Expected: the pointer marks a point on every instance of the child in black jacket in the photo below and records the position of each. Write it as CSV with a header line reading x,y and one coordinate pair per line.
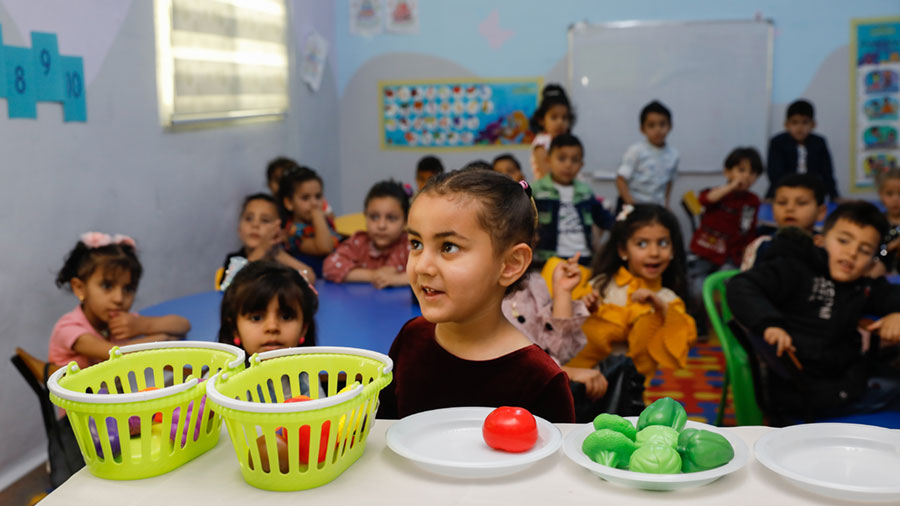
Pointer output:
x,y
808,300
798,150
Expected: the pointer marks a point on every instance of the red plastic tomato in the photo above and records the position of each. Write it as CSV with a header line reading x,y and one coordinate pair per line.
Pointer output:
x,y
510,429
304,435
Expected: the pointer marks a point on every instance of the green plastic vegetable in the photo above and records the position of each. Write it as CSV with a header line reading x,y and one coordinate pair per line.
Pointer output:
x,y
655,459
664,411
616,423
658,434
702,449
608,447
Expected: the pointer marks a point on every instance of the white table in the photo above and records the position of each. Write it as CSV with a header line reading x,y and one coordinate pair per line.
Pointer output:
x,y
382,477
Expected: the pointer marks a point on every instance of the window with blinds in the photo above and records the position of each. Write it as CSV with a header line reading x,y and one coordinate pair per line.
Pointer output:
x,y
221,59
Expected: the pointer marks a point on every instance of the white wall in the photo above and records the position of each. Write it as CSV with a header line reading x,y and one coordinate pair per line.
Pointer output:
x,y
177,194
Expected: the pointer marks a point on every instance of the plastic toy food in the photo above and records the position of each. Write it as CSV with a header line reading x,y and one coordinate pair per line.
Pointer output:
x,y
702,449
662,435
656,459
608,447
664,411
510,429
616,423
661,446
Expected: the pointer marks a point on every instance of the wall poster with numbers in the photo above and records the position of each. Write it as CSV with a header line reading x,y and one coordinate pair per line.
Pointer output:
x,y
875,99
457,113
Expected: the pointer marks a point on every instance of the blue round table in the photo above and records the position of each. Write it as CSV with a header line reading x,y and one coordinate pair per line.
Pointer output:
x,y
352,314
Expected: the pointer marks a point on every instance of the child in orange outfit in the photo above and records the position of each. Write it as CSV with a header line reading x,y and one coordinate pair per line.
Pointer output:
x,y
639,277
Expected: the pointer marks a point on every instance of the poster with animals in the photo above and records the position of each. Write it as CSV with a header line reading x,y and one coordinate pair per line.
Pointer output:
x,y
461,113
875,100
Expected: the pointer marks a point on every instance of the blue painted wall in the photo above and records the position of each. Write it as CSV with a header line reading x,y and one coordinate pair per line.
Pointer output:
x,y
807,31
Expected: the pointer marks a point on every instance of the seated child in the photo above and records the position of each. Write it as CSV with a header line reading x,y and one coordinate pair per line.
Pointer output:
x,y
379,254
567,209
259,229
728,222
103,272
798,150
649,166
554,116
308,234
799,202
428,167
470,231
269,306
507,164
275,171
889,193
640,278
808,299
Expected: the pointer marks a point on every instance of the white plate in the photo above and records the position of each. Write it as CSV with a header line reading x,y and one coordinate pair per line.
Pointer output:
x,y
648,481
841,460
448,441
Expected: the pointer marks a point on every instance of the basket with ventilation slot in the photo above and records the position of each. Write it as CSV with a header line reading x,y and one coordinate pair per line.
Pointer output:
x,y
143,412
282,444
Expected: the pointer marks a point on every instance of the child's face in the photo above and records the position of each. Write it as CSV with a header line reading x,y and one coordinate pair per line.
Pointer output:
x,y
656,127
890,196
649,251
743,173
799,127
795,206
384,221
565,162
105,294
273,181
306,199
452,266
508,167
259,224
272,329
851,249
423,177
556,120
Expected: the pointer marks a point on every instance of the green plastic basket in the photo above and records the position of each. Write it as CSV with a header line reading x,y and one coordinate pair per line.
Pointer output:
x,y
295,444
134,415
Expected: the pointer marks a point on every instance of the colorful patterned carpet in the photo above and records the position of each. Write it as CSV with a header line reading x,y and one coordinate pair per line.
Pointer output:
x,y
698,387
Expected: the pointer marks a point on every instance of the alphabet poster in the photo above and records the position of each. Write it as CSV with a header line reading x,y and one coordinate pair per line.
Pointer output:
x,y
457,113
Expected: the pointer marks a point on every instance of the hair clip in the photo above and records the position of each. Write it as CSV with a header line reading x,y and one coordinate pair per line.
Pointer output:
x,y
303,274
99,239
623,214
408,189
525,186
235,264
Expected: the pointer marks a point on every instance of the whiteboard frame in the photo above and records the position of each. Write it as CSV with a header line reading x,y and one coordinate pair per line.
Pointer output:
x,y
770,55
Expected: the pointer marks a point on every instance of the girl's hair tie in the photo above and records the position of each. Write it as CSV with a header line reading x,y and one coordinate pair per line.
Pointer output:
x,y
408,189
99,239
526,187
623,214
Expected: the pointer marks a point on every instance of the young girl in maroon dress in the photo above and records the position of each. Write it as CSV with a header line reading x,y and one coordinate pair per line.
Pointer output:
x,y
470,234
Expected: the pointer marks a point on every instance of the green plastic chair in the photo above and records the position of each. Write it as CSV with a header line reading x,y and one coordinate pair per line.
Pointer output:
x,y
738,374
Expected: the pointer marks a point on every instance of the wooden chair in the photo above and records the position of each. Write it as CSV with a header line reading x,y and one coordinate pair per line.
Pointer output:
x,y
62,447
691,205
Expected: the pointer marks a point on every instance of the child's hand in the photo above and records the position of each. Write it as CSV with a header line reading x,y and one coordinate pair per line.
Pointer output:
x,y
778,337
566,275
591,301
595,382
645,296
124,325
888,328
384,276
894,245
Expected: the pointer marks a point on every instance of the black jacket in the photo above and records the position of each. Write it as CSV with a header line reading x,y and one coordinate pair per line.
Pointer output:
x,y
792,288
782,160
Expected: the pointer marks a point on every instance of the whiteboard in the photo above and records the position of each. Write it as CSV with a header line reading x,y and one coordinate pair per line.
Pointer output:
x,y
715,77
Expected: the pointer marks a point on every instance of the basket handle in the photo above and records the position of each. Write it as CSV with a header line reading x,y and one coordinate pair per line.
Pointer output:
x,y
72,368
